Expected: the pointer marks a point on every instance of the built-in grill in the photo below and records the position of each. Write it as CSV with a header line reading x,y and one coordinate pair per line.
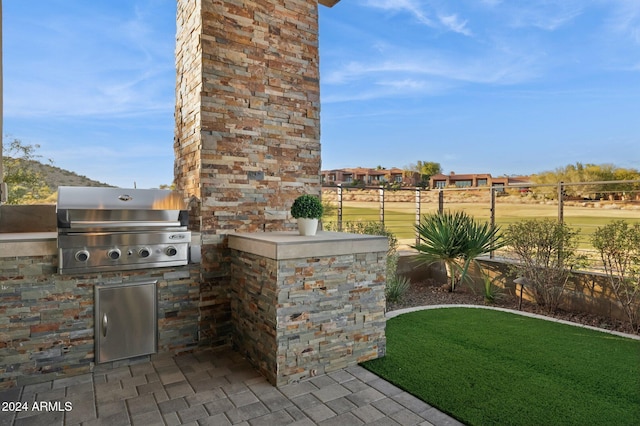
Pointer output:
x,y
111,229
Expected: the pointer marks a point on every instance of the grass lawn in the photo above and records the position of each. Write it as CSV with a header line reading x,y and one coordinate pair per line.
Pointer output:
x,y
488,367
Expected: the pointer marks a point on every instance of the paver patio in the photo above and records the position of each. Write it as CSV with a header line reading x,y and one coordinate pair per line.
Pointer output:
x,y
216,388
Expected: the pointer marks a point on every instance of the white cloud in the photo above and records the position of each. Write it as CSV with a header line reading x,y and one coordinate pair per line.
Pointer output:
x,y
420,12
625,19
90,64
492,68
361,81
408,84
454,24
491,3
411,6
548,15
386,88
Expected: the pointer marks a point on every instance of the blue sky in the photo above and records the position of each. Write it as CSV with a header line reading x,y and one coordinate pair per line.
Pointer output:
x,y
505,87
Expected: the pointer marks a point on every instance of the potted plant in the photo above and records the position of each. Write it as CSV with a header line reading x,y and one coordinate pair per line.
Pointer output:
x,y
308,210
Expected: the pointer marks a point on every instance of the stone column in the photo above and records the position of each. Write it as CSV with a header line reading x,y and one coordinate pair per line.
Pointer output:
x,y
1,103
247,138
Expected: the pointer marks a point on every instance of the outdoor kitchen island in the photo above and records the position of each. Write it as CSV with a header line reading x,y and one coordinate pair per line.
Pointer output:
x,y
47,319
301,306
307,305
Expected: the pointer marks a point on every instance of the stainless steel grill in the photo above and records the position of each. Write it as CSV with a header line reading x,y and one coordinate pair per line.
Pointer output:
x,y
110,229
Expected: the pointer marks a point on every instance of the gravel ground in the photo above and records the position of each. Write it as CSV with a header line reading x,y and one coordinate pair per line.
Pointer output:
x,y
430,293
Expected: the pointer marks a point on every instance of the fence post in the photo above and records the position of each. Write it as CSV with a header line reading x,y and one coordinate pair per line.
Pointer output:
x,y
417,214
493,214
561,202
441,201
339,207
381,204
560,217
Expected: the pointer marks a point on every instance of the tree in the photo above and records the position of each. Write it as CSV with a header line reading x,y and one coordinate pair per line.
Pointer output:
x,y
580,172
25,184
426,170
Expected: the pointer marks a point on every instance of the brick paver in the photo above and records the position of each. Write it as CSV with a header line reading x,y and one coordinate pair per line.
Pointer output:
x,y
217,388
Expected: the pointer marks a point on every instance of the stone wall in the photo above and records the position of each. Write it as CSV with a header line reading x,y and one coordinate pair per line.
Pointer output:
x,y
586,292
47,319
247,138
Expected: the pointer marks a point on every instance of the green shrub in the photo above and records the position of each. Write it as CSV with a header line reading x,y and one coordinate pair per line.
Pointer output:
x,y
396,288
546,254
372,228
619,246
490,291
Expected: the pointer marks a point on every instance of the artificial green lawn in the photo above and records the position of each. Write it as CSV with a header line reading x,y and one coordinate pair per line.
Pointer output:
x,y
488,367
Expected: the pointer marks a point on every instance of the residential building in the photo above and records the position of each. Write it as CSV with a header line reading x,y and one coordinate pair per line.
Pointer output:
x,y
476,180
370,177
374,177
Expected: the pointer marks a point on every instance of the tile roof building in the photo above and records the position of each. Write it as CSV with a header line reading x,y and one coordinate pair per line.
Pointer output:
x,y
370,177
476,180
375,177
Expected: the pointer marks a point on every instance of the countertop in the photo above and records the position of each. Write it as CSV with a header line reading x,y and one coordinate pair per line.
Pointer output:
x,y
14,244
291,245
27,236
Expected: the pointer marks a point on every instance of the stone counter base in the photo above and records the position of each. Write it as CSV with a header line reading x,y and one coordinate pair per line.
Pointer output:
x,y
47,319
297,317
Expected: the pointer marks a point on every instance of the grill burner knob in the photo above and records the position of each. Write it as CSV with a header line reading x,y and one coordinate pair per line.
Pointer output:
x,y
82,256
144,252
171,251
113,254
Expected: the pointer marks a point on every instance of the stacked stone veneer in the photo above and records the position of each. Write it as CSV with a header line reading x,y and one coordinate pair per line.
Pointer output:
x,y
247,138
47,319
303,307
247,109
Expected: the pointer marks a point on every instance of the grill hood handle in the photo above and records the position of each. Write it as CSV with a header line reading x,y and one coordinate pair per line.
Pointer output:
x,y
63,218
183,217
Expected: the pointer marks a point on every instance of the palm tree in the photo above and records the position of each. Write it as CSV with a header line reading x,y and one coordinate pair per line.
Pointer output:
x,y
457,240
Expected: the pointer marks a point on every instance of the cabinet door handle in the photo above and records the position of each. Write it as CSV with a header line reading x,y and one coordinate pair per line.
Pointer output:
x,y
105,322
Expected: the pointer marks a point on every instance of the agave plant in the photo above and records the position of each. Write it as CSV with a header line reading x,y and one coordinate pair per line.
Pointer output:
x,y
457,240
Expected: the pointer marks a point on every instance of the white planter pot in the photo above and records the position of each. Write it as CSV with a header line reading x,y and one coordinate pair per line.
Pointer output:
x,y
307,226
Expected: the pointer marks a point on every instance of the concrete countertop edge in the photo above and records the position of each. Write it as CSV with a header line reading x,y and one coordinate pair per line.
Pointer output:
x,y
15,237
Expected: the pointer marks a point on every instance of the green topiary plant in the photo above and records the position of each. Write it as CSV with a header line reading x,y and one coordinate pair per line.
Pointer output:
x,y
307,207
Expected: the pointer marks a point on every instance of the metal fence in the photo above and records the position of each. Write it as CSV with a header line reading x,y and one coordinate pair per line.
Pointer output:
x,y
584,206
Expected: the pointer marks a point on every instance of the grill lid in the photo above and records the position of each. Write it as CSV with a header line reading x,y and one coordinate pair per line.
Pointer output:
x,y
98,198
107,208
113,229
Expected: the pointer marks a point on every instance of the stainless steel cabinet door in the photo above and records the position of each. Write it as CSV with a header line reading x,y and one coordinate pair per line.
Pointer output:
x,y
125,320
